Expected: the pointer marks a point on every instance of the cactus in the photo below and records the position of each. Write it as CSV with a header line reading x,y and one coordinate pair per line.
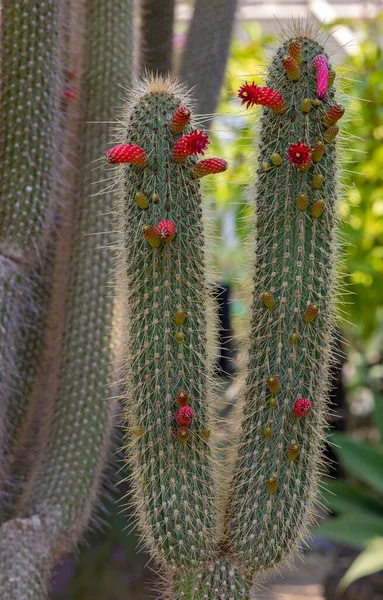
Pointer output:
x,y
220,580
29,123
58,497
211,532
278,461
206,50
163,286
156,38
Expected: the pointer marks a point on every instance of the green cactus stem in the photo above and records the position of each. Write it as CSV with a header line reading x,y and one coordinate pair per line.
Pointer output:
x,y
61,495
156,39
163,287
30,96
279,453
219,580
206,51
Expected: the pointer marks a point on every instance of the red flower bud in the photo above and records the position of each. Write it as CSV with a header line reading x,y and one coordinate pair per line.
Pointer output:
x,y
185,416
127,153
320,65
166,230
192,143
182,397
209,166
180,119
302,407
253,94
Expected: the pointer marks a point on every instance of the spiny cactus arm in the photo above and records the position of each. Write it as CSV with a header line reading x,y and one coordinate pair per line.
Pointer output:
x,y
156,36
31,557
75,456
163,287
279,458
24,413
68,479
206,51
218,580
30,89
30,96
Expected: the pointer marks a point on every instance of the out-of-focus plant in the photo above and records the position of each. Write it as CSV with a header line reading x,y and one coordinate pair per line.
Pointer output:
x,y
357,500
363,212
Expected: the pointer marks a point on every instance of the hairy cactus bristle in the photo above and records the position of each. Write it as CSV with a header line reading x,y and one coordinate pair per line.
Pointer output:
x,y
277,465
163,287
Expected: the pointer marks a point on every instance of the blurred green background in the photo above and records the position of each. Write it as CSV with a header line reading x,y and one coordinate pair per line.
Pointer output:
x,y
108,566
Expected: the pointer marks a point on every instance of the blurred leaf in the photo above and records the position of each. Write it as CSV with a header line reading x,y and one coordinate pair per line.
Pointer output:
x,y
369,561
355,529
362,460
344,497
378,413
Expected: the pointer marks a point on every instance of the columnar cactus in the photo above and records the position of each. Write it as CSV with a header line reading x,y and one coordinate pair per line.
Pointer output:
x,y
206,50
163,286
278,462
59,494
156,39
30,96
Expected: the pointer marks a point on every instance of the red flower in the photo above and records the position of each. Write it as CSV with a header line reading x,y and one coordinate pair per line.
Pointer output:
x,y
209,166
192,143
253,94
127,153
249,94
166,230
302,407
185,416
299,154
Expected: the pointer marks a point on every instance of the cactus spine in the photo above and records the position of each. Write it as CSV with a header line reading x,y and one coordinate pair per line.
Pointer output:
x,y
278,460
164,290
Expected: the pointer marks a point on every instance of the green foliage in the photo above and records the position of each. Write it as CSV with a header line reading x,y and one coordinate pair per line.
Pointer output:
x,y
362,216
358,502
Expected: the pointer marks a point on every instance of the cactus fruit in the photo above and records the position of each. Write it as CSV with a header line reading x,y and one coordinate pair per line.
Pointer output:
x,y
168,366
276,466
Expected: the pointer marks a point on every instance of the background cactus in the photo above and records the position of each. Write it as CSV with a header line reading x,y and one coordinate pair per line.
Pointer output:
x,y
29,131
206,50
59,492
